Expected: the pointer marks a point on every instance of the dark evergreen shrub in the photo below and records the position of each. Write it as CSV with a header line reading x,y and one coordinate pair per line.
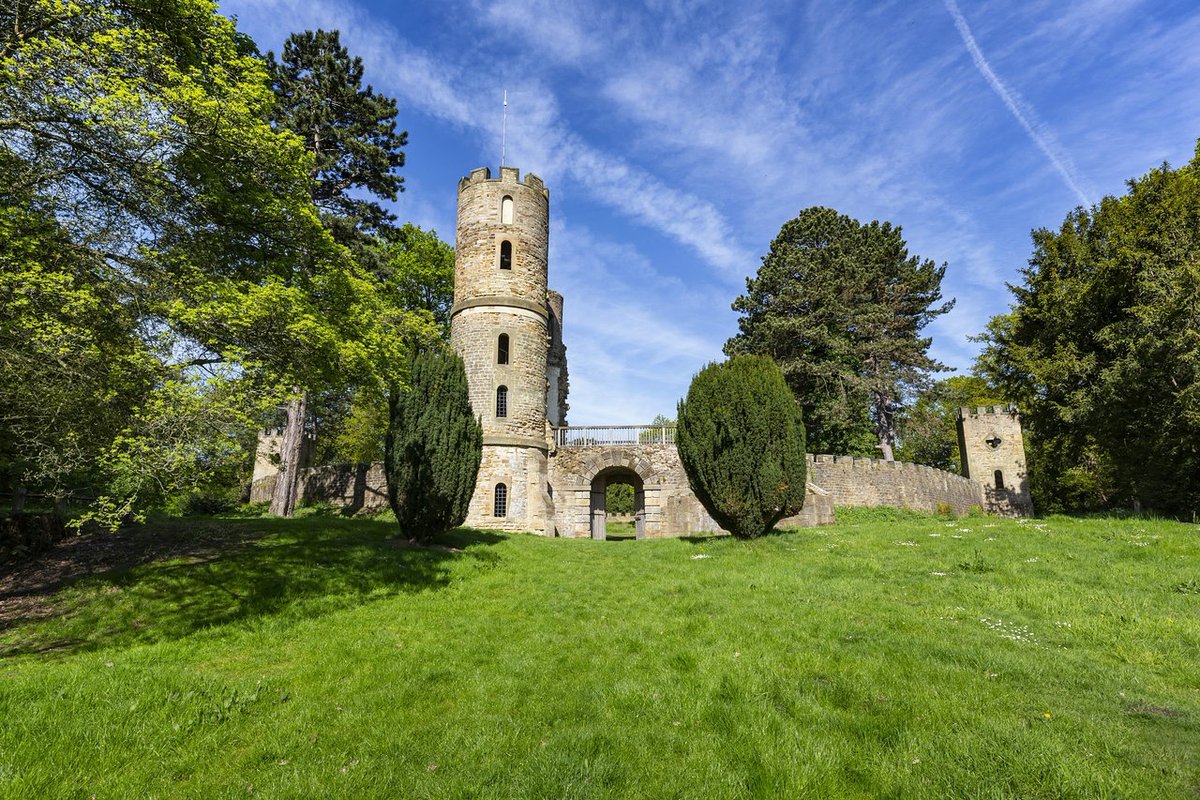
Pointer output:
x,y
433,447
741,440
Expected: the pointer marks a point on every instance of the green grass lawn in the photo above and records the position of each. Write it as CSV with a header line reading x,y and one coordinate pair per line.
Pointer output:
x,y
890,655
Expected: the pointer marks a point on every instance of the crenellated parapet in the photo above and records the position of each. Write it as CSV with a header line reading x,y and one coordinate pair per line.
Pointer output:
x,y
507,175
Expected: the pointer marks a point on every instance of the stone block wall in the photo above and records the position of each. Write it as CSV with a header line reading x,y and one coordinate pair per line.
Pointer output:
x,y
852,481
475,336
480,232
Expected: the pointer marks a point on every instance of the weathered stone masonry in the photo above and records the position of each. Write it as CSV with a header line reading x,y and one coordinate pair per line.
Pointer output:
x,y
507,326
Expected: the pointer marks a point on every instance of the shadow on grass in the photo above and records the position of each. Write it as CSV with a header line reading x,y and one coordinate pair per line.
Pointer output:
x,y
171,579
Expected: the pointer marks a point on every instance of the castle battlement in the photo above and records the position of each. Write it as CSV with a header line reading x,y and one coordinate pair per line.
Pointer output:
x,y
1009,410
507,175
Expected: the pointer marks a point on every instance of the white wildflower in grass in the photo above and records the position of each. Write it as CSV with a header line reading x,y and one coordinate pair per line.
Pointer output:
x,y
700,555
1062,624
935,535
939,574
1031,560
964,530
907,544
1009,630
955,536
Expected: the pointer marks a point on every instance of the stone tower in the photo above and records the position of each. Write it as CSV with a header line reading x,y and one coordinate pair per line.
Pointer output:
x,y
993,454
507,327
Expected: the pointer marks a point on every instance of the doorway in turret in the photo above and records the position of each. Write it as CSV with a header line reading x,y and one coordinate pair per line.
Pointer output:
x,y
618,507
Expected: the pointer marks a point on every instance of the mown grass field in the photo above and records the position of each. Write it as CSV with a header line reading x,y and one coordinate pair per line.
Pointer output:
x,y
891,655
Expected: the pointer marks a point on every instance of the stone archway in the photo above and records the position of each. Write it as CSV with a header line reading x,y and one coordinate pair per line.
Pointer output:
x,y
598,512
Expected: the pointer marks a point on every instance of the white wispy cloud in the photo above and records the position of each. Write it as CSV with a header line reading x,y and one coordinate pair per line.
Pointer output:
x,y
454,94
1020,110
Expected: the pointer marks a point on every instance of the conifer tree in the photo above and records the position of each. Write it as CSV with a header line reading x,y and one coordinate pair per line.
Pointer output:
x,y
351,133
840,306
433,448
741,440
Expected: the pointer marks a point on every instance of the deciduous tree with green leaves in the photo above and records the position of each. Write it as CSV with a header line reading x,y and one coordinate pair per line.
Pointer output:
x,y
928,427
741,440
840,306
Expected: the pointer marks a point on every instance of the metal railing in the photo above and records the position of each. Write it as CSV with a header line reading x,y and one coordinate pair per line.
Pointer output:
x,y
587,435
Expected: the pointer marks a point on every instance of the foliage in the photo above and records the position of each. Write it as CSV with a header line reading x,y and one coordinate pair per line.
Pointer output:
x,y
618,498
661,431
741,440
434,446
1100,349
141,175
349,133
928,428
349,130
840,306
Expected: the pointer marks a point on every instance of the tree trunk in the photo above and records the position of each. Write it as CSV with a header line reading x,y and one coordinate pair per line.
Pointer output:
x,y
18,499
287,482
885,425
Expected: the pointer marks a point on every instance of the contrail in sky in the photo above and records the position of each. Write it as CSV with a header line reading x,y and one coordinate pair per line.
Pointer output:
x,y
1026,117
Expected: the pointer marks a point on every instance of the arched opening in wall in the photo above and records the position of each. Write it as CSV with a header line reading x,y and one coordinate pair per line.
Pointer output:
x,y
618,508
506,255
502,401
502,349
999,476
506,211
500,501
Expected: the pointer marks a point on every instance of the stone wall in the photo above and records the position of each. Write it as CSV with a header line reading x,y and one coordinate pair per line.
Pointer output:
x,y
670,507
480,231
993,454
854,481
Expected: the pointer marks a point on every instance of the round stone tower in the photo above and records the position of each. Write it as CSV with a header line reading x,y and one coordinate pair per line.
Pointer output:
x,y
500,325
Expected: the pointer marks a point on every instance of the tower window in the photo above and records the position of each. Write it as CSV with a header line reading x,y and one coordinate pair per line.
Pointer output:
x,y
502,349
500,501
506,255
506,211
502,401
999,479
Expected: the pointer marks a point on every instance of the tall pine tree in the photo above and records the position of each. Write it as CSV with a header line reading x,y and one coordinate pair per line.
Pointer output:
x,y
840,306
351,133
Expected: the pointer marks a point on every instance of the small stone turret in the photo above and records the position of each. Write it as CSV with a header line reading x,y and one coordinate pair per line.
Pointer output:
x,y
501,325
993,454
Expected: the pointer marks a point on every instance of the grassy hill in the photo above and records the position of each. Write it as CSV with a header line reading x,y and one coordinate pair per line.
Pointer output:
x,y
891,655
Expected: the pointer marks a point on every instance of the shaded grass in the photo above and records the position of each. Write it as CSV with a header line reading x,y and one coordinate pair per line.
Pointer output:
x,y
317,658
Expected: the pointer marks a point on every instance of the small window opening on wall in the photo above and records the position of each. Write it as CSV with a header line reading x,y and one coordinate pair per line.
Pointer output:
x,y
506,255
502,401
502,349
506,211
500,501
999,476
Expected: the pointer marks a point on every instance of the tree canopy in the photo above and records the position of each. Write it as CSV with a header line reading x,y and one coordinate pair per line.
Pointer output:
x,y
164,229
741,441
1102,350
840,306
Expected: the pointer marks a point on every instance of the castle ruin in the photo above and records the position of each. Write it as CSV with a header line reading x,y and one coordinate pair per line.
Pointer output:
x,y
540,475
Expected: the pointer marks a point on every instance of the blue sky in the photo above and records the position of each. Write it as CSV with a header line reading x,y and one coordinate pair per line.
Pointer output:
x,y
677,137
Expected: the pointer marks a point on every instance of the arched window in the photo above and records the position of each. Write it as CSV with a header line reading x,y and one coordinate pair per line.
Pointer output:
x,y
500,501
502,349
999,479
502,401
506,255
506,211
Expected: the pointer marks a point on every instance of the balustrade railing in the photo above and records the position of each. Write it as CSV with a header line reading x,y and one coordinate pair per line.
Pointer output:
x,y
587,435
